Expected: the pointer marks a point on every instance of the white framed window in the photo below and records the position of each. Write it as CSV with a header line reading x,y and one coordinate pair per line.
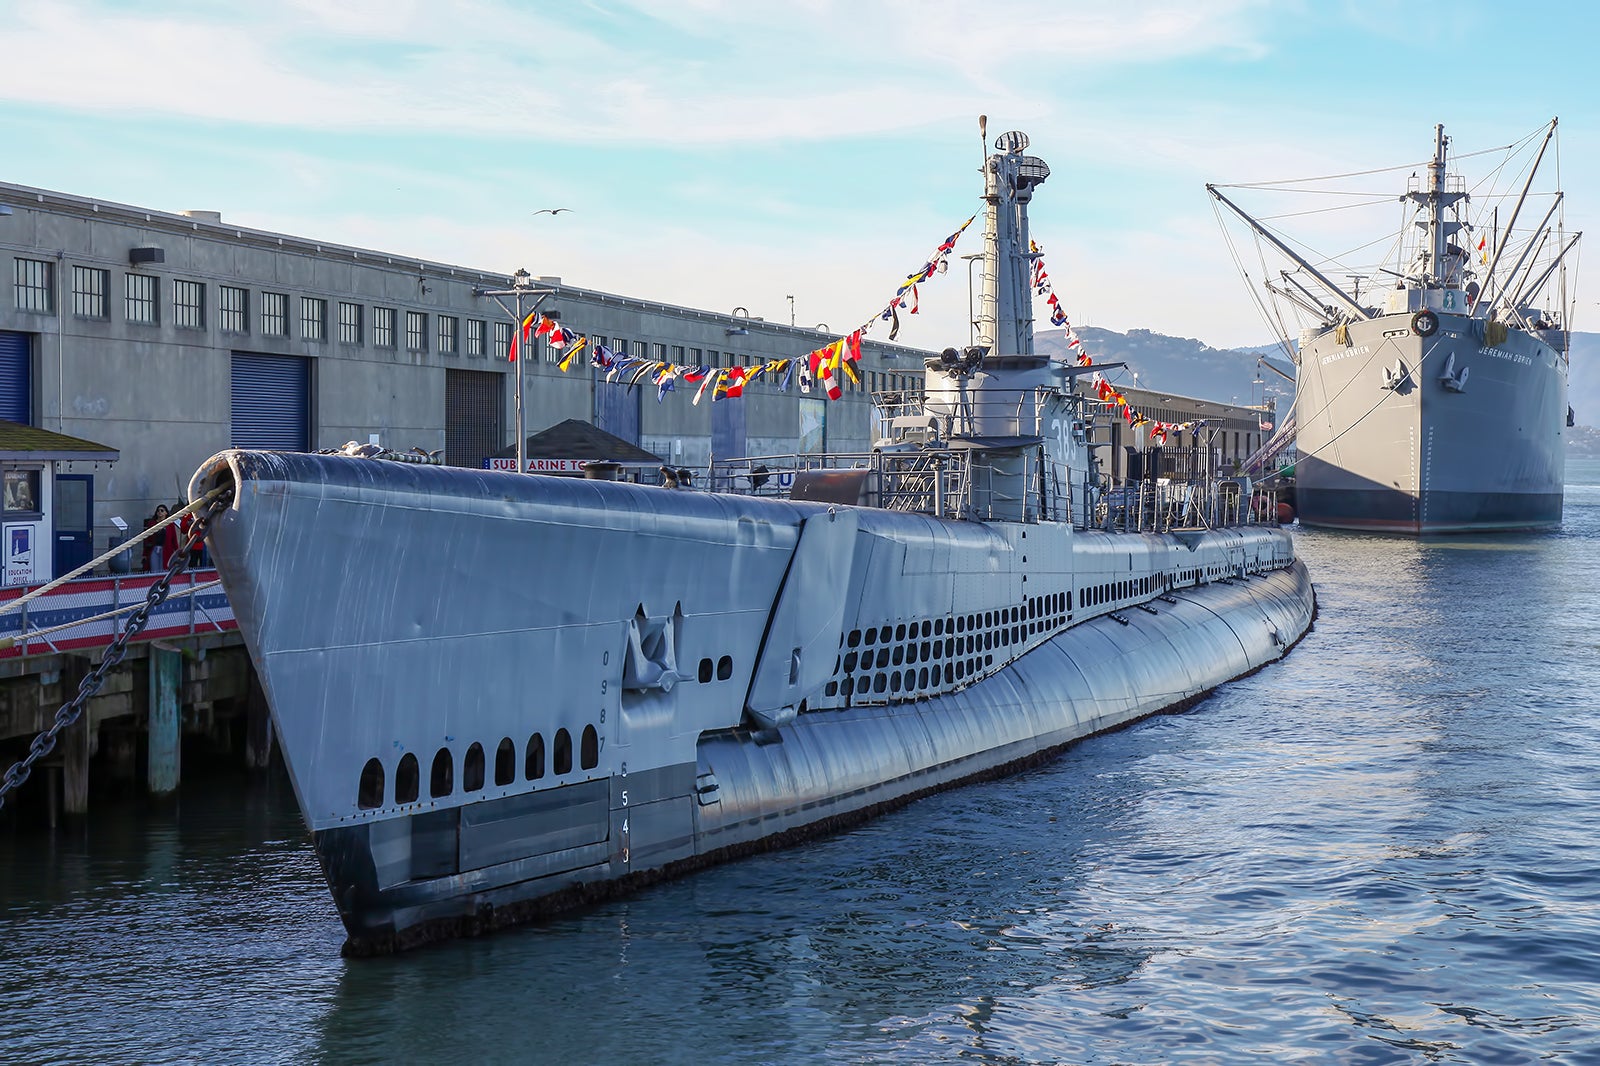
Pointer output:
x,y
35,285
89,288
416,331
502,340
274,314
313,318
142,301
189,304
475,336
349,322
233,309
383,325
449,334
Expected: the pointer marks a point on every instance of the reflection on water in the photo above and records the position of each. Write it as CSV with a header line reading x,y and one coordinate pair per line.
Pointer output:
x,y
1380,850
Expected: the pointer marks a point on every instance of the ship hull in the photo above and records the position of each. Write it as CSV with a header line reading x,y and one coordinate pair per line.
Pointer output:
x,y
599,685
1427,458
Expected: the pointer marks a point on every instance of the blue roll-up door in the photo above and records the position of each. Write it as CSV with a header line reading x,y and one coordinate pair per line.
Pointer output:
x,y
271,402
16,377
616,409
728,430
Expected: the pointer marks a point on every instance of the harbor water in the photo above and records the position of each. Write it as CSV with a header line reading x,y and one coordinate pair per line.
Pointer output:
x,y
1383,849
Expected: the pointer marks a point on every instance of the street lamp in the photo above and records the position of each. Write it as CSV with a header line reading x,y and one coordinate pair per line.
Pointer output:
x,y
521,289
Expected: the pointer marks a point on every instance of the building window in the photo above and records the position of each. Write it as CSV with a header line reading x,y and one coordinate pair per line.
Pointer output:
x,y
22,491
35,287
694,356
449,334
502,340
189,304
383,326
475,336
89,286
142,304
233,307
349,323
416,331
274,314
313,318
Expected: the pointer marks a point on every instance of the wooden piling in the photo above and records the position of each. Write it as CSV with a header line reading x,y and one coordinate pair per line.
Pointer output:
x,y
166,723
258,726
75,742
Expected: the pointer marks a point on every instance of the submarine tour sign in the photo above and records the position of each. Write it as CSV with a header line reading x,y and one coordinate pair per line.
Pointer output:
x,y
539,466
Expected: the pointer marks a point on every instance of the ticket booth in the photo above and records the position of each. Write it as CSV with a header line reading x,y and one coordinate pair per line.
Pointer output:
x,y
46,502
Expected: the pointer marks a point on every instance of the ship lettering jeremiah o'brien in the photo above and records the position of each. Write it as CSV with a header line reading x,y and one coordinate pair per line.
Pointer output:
x,y
499,694
1435,402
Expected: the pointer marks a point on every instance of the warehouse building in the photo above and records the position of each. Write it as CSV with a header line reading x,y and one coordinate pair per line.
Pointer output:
x,y
168,337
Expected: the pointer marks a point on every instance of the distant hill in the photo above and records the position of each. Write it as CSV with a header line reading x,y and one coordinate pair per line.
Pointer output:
x,y
1180,365
1193,368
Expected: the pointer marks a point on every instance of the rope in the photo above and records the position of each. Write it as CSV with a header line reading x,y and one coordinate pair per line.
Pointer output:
x,y
203,501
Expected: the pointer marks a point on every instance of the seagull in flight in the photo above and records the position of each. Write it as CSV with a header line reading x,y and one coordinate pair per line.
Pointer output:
x,y
551,210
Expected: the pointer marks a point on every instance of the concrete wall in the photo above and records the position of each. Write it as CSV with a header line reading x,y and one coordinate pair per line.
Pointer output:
x,y
161,393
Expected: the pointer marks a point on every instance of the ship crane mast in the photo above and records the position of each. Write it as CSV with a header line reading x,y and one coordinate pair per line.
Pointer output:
x,y
1356,310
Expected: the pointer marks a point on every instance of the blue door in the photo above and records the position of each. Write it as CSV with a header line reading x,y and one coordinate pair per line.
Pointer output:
x,y
616,409
16,378
728,430
271,402
74,521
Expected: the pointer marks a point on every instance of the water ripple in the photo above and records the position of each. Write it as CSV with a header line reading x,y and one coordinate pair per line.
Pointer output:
x,y
1381,850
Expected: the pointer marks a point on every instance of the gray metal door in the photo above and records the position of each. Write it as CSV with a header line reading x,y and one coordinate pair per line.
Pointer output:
x,y
474,416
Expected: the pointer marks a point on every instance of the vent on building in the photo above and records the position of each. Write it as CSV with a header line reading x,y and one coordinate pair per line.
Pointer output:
x,y
146,253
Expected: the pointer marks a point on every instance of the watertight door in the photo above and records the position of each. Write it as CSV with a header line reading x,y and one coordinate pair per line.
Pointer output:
x,y
803,635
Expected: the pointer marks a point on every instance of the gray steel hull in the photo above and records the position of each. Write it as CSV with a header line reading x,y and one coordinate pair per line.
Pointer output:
x,y
471,620
1425,458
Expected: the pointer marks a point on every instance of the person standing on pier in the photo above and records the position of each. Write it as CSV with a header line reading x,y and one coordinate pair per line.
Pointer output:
x,y
158,550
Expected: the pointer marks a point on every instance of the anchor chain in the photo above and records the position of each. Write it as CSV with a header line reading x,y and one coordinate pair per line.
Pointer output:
x,y
70,711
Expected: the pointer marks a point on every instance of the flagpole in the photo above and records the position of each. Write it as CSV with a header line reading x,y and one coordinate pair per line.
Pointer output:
x,y
521,288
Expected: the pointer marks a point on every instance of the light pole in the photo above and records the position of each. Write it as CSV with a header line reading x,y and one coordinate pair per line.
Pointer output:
x,y
521,288
791,309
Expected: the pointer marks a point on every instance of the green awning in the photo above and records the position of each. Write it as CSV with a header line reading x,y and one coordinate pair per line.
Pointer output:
x,y
30,442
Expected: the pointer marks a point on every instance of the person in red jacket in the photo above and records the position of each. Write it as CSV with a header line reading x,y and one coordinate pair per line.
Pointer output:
x,y
184,524
158,550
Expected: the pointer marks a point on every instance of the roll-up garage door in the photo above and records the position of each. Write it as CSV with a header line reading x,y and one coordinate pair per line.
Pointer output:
x,y
616,409
16,377
474,416
271,402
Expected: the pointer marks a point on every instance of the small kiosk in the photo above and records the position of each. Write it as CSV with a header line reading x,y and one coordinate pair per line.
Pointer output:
x,y
46,516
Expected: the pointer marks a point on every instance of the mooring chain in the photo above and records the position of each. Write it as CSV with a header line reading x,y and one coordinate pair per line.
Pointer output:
x,y
70,711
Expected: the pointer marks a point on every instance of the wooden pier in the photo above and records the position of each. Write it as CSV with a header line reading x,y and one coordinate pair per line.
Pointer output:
x,y
186,680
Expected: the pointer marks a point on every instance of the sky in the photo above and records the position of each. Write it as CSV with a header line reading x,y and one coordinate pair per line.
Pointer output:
x,y
725,154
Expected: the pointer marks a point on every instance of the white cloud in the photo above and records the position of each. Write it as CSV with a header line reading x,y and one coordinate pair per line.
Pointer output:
x,y
705,72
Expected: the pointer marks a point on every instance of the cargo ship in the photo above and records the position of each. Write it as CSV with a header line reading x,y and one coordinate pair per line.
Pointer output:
x,y
1436,401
